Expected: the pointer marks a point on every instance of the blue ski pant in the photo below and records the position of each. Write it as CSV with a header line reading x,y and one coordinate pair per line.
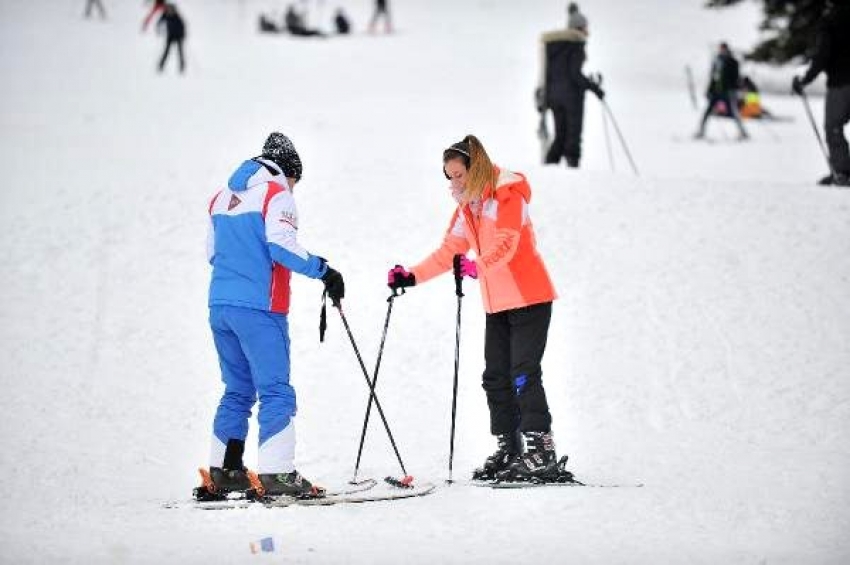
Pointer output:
x,y
253,352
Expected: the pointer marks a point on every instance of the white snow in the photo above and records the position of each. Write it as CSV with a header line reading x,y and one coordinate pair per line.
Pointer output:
x,y
699,345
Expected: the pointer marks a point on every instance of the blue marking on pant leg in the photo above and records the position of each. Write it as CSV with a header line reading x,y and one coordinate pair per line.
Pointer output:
x,y
519,383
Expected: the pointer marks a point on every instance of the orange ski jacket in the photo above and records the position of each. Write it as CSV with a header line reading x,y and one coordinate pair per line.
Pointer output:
x,y
510,270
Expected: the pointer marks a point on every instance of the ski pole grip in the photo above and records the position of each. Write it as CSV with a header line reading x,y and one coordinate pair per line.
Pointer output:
x,y
458,275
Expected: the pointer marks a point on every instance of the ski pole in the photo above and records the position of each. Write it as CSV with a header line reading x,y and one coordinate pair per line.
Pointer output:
x,y
407,478
817,132
620,135
607,139
598,79
372,386
689,76
459,294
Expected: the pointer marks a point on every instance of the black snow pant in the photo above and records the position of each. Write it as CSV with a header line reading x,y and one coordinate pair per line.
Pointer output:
x,y
836,116
514,342
168,42
569,121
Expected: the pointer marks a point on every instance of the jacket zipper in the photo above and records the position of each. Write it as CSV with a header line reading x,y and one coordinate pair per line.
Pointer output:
x,y
467,214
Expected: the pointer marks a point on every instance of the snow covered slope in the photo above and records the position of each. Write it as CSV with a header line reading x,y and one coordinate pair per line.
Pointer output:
x,y
700,343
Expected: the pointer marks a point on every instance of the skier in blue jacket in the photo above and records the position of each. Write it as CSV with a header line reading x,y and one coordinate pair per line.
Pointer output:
x,y
253,249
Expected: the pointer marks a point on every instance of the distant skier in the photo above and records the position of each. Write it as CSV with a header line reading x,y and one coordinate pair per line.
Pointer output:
x,y
175,34
91,4
492,219
341,22
564,85
157,7
832,55
722,89
253,250
382,10
267,25
295,24
575,19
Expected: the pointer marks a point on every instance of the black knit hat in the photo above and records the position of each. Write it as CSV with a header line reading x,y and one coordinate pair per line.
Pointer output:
x,y
279,148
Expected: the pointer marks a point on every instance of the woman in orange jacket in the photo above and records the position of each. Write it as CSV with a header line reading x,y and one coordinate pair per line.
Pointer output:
x,y
492,220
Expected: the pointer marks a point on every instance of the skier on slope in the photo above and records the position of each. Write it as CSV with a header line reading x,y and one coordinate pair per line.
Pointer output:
x,y
253,249
564,86
723,88
492,219
832,56
175,34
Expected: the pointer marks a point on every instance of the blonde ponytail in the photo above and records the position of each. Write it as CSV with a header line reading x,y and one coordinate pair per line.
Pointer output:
x,y
481,172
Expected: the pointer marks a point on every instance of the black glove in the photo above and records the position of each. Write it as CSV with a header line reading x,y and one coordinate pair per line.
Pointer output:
x,y
597,90
334,285
797,86
540,99
398,277
595,86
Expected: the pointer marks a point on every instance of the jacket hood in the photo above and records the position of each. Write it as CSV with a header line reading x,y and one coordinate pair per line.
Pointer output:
x,y
572,35
510,182
253,172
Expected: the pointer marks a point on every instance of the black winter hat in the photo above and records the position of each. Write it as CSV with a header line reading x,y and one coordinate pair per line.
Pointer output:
x,y
279,148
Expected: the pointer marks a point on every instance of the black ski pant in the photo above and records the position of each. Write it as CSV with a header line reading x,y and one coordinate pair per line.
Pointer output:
x,y
514,342
836,116
168,42
569,121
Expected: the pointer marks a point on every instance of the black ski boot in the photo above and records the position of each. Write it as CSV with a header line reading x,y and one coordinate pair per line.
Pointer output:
x,y
510,447
538,464
231,477
836,179
289,484
230,480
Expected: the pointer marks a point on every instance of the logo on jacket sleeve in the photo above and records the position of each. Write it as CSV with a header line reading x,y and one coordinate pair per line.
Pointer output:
x,y
288,217
234,202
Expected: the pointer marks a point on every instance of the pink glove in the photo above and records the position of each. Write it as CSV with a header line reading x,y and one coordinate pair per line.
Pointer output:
x,y
468,268
399,277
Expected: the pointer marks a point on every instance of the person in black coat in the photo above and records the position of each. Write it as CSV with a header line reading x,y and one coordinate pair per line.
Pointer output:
x,y
175,33
723,88
564,87
295,25
341,22
832,55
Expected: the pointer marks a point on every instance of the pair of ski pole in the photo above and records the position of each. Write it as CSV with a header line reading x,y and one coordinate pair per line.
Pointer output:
x,y
406,480
606,115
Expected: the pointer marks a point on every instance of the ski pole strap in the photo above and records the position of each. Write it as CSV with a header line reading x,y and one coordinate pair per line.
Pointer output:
x,y
323,317
458,275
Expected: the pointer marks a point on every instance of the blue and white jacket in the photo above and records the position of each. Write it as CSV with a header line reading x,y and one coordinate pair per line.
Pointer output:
x,y
252,244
